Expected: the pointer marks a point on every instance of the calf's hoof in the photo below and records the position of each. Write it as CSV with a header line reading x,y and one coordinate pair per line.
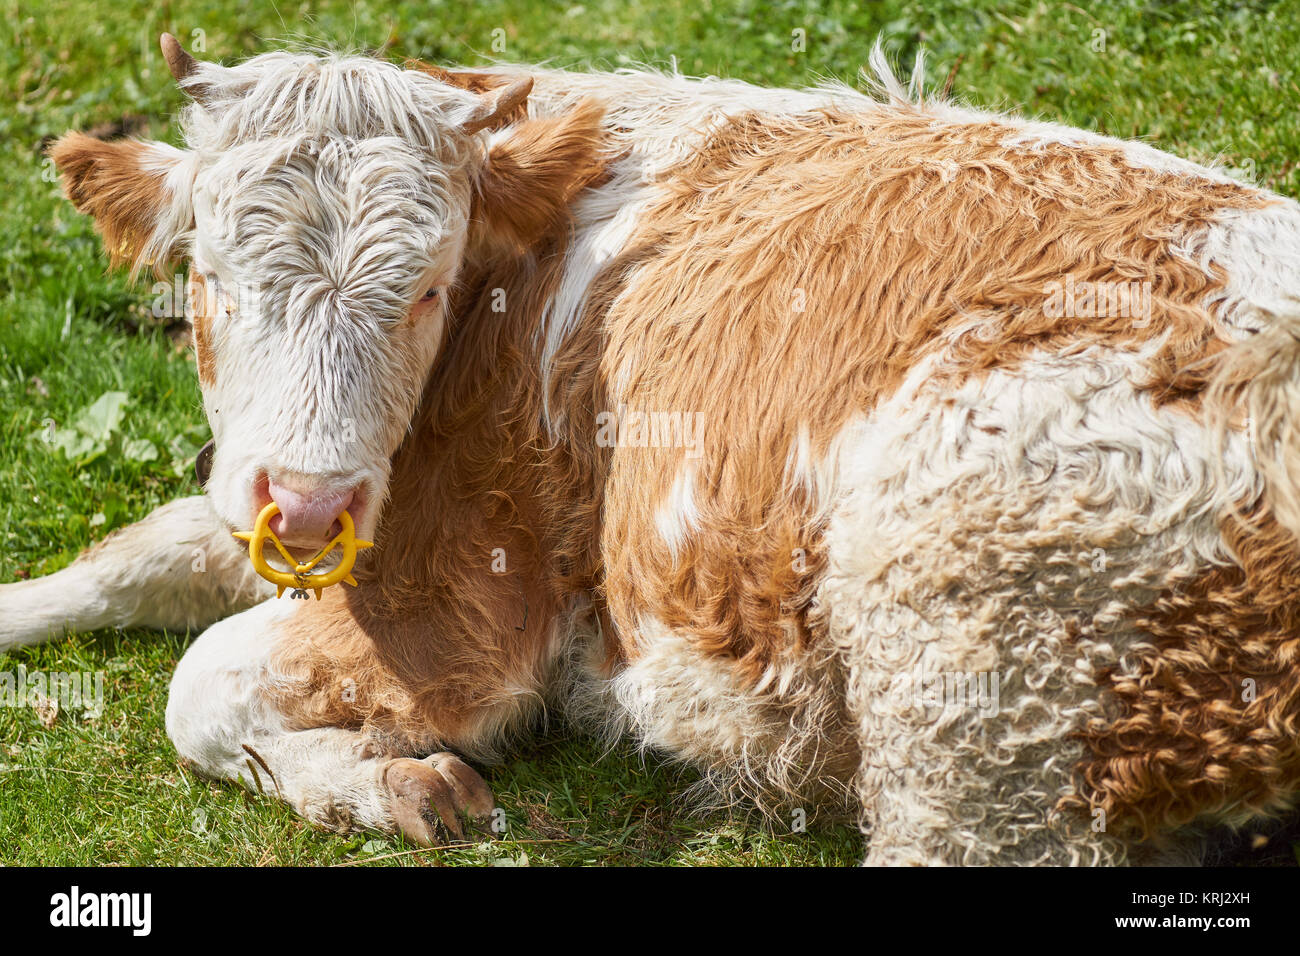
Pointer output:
x,y
438,793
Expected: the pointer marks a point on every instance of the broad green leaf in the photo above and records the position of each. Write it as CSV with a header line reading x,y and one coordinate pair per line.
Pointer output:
x,y
74,443
103,417
139,449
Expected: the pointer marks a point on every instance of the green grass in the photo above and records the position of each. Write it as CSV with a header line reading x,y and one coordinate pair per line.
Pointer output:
x,y
1204,80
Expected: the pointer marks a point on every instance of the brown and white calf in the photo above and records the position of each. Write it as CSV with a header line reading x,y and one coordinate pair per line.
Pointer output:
x,y
875,456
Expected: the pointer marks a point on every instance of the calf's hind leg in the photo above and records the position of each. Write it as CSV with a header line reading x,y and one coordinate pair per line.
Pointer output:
x,y
227,717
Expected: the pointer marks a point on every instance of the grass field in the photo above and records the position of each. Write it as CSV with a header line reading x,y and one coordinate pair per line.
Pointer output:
x,y
1208,81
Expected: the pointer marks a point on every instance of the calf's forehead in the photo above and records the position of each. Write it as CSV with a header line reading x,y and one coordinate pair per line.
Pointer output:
x,y
317,158
369,221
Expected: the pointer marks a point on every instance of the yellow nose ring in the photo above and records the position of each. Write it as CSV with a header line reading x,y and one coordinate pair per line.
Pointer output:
x,y
301,579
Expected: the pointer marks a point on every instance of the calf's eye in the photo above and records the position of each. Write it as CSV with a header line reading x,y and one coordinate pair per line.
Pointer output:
x,y
429,296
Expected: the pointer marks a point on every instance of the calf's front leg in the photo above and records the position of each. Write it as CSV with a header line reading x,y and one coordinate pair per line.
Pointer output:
x,y
178,568
235,712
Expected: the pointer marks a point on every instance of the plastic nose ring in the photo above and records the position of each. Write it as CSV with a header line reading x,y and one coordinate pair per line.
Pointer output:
x,y
301,579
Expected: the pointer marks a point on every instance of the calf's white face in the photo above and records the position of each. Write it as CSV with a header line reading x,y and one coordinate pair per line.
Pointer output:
x,y
323,206
320,273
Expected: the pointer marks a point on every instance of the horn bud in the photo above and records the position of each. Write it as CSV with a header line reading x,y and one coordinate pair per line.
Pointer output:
x,y
496,108
181,64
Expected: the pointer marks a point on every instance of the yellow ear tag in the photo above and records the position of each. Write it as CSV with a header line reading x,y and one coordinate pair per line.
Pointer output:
x,y
301,579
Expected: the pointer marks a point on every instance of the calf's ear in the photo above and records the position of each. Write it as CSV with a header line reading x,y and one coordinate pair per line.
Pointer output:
x,y
532,174
137,192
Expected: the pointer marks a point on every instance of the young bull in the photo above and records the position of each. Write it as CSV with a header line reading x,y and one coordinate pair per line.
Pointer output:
x,y
875,456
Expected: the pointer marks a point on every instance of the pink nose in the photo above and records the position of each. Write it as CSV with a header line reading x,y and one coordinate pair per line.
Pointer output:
x,y
306,515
